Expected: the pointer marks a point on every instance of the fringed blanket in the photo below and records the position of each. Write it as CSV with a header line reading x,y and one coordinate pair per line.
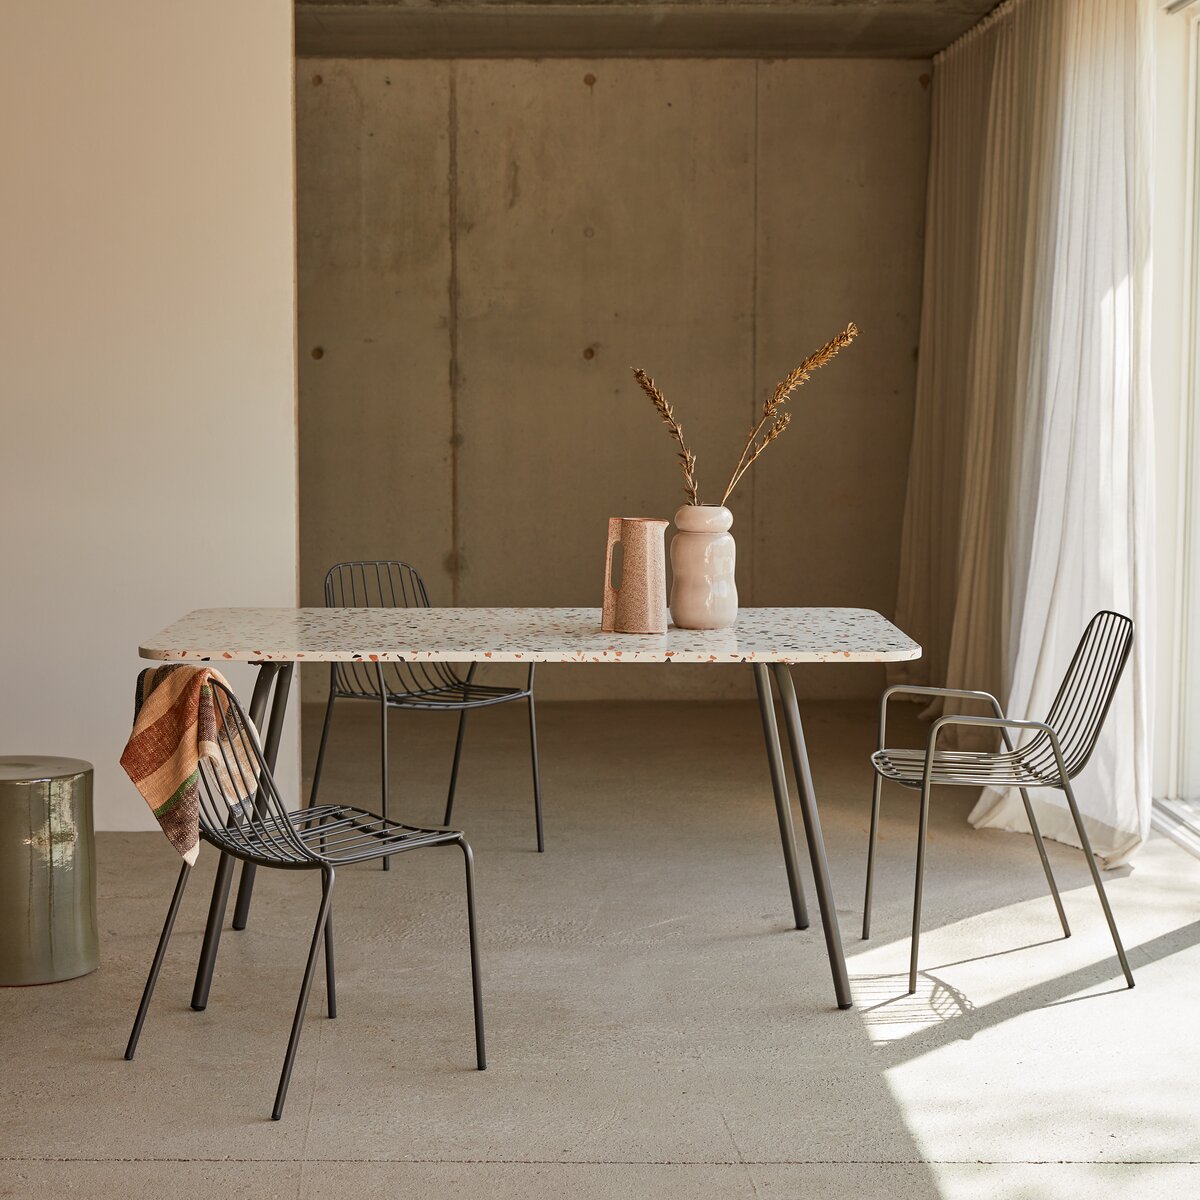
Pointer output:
x,y
176,724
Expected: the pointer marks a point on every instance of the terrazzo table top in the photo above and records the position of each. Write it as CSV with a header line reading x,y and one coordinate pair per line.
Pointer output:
x,y
464,635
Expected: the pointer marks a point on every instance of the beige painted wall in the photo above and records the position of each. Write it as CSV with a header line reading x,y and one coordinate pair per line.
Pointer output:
x,y
487,247
148,454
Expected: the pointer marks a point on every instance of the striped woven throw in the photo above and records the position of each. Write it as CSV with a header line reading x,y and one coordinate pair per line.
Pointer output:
x,y
175,726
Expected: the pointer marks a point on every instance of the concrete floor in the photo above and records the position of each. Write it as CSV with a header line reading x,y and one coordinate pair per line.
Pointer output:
x,y
655,1028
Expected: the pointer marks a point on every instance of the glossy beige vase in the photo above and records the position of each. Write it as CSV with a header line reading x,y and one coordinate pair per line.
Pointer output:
x,y
639,605
703,557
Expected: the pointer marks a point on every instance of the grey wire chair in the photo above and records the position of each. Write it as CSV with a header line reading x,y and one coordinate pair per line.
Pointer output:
x,y
242,814
388,583
1058,750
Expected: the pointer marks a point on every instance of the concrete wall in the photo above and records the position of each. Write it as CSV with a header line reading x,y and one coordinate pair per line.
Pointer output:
x,y
147,300
487,247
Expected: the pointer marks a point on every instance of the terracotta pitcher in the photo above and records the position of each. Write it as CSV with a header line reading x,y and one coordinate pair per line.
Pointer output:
x,y
639,605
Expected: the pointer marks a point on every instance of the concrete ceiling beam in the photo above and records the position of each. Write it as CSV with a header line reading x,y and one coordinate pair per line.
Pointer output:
x,y
620,28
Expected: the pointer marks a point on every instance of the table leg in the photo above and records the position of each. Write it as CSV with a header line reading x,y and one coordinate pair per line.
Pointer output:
x,y
283,685
812,829
220,896
783,809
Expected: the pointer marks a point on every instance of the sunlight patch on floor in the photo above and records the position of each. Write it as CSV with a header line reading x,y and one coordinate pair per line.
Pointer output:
x,y
1013,1062
985,961
1066,1181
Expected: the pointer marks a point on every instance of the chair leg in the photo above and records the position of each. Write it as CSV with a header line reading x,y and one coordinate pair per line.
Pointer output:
x,y
918,892
1091,860
875,794
537,776
1041,849
285,1077
458,745
156,964
476,975
383,751
330,976
316,783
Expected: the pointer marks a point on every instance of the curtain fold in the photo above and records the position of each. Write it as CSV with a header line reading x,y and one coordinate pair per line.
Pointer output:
x,y
1029,504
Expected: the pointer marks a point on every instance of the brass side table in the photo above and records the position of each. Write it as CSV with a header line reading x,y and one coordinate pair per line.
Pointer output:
x,y
47,870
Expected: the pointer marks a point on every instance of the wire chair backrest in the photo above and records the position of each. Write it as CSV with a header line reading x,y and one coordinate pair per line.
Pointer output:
x,y
382,583
240,806
374,583
1086,693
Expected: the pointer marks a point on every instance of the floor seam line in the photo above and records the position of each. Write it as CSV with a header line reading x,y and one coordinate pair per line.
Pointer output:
x,y
621,1162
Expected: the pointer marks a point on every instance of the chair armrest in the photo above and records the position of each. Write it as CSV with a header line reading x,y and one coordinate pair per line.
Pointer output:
x,y
1004,724
911,689
905,689
993,723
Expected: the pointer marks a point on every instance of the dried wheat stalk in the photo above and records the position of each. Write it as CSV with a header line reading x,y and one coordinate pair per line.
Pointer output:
x,y
687,460
772,420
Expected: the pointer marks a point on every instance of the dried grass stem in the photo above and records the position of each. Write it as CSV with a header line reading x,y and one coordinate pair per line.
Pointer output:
x,y
772,420
687,460
770,425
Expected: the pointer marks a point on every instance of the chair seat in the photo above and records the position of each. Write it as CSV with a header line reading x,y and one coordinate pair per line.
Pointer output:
x,y
967,768
341,833
454,696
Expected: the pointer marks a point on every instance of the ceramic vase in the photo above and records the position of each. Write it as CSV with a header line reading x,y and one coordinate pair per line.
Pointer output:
x,y
639,605
703,555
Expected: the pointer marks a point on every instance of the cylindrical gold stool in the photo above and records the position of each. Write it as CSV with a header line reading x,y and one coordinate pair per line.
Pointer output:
x,y
47,870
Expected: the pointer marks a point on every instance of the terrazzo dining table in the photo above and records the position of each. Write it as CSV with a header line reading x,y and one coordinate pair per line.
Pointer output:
x,y
768,640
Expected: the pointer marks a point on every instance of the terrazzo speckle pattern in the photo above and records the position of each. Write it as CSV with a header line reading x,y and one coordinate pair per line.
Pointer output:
x,y
787,635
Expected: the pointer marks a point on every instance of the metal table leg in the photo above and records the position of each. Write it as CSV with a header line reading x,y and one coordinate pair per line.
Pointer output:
x,y
267,673
283,685
783,809
812,829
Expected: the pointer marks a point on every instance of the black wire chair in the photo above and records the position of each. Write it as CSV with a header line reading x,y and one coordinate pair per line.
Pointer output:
x,y
387,583
1058,750
241,813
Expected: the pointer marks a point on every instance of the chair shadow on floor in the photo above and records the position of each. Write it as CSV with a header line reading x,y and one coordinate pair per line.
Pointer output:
x,y
904,1026
889,1011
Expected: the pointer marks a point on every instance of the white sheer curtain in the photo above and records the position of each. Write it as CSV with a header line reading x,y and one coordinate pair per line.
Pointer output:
x,y
1029,501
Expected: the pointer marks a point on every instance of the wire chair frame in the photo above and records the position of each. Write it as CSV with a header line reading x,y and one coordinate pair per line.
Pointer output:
x,y
242,813
391,583
1055,752
383,583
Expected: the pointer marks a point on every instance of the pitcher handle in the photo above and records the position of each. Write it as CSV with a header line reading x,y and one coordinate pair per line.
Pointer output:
x,y
608,616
